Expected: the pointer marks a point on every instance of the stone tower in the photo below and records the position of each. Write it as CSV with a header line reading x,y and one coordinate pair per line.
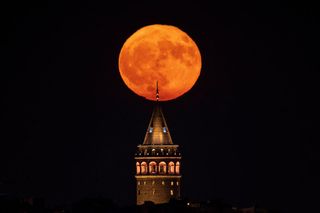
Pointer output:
x,y
157,163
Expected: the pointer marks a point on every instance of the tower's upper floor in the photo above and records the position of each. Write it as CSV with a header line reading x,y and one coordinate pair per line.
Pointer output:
x,y
158,155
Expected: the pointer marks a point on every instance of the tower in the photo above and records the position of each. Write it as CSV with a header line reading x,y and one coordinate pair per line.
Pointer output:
x,y
157,163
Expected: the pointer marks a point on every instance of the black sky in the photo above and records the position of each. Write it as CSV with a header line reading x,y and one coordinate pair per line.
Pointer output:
x,y
248,129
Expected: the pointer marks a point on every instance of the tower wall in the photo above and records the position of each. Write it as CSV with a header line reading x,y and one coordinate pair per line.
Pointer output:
x,y
158,173
157,189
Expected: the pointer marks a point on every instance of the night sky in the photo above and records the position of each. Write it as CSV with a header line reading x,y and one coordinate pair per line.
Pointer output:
x,y
248,130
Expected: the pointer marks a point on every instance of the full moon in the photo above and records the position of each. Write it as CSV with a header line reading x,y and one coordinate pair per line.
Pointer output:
x,y
163,54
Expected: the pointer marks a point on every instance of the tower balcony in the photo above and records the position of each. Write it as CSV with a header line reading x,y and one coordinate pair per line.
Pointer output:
x,y
158,151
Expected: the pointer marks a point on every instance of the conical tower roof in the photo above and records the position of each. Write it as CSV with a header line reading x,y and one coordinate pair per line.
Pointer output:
x,y
157,132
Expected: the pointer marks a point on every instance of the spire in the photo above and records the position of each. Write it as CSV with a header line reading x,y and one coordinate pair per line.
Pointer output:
x,y
157,92
157,132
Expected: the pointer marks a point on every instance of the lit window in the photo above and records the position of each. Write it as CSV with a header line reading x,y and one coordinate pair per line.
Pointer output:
x,y
144,183
178,167
152,182
138,182
162,182
171,168
144,168
152,167
164,130
162,167
177,183
153,150
153,191
138,167
171,183
171,192
150,130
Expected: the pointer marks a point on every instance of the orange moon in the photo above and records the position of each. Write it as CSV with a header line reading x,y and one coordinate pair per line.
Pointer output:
x,y
163,54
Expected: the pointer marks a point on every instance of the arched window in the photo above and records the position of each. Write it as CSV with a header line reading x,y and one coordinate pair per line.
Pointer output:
x,y
171,168
178,167
152,167
162,167
144,168
138,167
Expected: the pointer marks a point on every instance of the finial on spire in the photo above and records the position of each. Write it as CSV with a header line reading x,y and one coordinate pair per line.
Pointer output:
x,y
157,92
